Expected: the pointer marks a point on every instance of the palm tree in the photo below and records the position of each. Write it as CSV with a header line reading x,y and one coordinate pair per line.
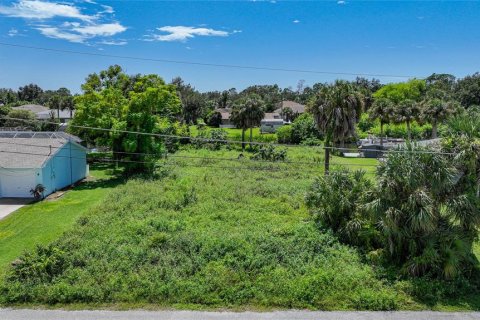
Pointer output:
x,y
406,111
436,110
336,109
247,113
382,110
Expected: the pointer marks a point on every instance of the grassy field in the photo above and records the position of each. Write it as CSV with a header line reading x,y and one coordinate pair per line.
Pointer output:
x,y
43,222
214,233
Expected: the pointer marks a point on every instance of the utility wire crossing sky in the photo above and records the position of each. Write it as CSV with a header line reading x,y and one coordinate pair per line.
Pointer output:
x,y
217,45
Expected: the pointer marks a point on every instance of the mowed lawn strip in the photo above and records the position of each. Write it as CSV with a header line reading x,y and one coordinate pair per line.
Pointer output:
x,y
43,222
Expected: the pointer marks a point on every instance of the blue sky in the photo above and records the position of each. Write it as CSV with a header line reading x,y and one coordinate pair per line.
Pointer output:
x,y
412,38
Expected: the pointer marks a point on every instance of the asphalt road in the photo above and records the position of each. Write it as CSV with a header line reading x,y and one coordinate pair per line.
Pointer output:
x,y
9,314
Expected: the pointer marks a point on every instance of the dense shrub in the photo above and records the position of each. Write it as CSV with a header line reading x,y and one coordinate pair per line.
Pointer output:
x,y
428,216
270,153
284,134
214,119
303,128
418,131
336,201
169,128
210,139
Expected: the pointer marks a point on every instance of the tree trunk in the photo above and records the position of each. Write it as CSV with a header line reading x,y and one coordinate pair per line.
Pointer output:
x,y
327,157
381,133
409,134
434,129
251,135
243,139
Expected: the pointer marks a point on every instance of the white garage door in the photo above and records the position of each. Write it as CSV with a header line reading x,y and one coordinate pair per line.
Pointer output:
x,y
17,184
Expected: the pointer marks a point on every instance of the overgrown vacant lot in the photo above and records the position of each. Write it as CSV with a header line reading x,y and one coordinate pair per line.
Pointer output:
x,y
205,236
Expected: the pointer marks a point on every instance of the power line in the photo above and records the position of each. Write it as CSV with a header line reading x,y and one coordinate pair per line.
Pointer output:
x,y
207,140
185,62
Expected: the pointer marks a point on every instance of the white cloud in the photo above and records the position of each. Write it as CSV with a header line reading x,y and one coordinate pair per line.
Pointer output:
x,y
296,21
12,32
56,33
182,33
54,19
341,2
113,42
37,9
100,30
108,9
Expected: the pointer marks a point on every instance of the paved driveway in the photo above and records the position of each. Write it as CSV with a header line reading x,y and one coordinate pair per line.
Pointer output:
x,y
8,314
8,205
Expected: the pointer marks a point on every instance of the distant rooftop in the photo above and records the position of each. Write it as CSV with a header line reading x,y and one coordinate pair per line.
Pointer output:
x,y
295,106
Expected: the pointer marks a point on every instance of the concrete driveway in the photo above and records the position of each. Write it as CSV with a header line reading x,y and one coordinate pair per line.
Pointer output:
x,y
8,205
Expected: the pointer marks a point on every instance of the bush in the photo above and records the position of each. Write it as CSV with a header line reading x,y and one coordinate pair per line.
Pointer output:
x,y
419,132
215,135
302,129
284,134
428,216
270,153
214,119
336,201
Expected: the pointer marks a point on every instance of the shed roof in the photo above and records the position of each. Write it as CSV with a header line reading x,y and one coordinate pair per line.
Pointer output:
x,y
23,150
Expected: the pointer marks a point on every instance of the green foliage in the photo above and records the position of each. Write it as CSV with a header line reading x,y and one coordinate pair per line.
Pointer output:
x,y
284,134
215,135
467,90
425,214
26,115
4,111
180,241
214,119
336,109
336,201
392,130
304,128
398,92
142,104
466,123
270,153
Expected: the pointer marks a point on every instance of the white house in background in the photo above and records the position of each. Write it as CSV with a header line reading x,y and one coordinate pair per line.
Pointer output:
x,y
52,159
44,113
271,122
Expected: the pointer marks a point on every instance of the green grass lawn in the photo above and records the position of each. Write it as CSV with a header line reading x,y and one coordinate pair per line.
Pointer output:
x,y
43,222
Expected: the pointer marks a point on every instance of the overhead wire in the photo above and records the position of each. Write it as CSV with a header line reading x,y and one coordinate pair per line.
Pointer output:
x,y
203,64
207,140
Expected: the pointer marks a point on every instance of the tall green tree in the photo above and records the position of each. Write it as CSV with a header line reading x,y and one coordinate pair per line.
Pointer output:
x,y
336,108
148,106
434,109
406,111
247,114
382,109
30,92
467,90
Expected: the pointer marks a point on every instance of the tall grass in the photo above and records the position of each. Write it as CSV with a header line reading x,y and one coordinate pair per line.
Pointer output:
x,y
202,237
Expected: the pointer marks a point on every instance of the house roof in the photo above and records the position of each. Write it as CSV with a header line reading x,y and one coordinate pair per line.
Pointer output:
x,y
225,115
271,115
64,114
295,106
35,108
23,150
